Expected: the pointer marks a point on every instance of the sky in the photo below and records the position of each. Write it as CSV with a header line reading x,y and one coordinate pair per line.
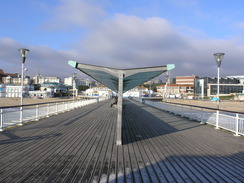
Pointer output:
x,y
122,34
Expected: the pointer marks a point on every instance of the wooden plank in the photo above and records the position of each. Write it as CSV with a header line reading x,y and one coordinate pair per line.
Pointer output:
x,y
104,176
53,150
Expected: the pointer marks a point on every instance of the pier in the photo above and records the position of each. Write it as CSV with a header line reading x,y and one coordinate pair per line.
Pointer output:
x,y
80,146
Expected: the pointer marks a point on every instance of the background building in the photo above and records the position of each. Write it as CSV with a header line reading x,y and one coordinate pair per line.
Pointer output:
x,y
185,80
15,90
16,80
38,79
207,86
240,78
84,82
176,90
138,91
100,90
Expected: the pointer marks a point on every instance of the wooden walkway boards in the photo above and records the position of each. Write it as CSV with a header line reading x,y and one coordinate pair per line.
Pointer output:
x,y
79,146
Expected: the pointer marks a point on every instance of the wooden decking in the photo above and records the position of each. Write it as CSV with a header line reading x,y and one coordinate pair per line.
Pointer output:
x,y
79,146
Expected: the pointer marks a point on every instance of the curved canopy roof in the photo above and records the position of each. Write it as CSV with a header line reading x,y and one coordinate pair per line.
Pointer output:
x,y
131,77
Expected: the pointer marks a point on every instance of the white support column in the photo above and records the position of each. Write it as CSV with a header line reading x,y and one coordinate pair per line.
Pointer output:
x,y
202,117
237,125
218,90
21,116
217,119
37,112
1,125
120,108
182,111
56,108
48,105
191,114
21,96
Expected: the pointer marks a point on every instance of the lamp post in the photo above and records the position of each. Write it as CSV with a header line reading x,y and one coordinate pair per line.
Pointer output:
x,y
218,57
73,83
23,53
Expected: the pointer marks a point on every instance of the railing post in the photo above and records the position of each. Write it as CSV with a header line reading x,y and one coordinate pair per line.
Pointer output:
x,y
237,125
190,116
47,110
56,108
21,116
37,112
182,110
201,116
217,120
1,122
64,106
68,106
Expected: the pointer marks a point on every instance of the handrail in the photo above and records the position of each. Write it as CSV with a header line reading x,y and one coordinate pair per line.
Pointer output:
x,y
197,106
25,105
41,110
230,120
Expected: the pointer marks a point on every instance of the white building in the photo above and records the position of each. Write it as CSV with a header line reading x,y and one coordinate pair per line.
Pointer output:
x,y
2,90
101,91
137,92
54,87
38,79
40,94
15,90
16,80
240,77
85,82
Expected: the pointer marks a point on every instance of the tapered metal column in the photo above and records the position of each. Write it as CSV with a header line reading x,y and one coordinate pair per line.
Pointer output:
x,y
21,96
120,108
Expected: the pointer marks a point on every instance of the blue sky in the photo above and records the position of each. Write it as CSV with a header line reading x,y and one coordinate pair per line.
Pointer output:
x,y
122,34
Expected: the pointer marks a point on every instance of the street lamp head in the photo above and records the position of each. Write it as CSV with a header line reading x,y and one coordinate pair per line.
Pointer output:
x,y
23,53
218,57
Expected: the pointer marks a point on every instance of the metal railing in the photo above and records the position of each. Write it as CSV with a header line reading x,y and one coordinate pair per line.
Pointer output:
x,y
18,115
229,120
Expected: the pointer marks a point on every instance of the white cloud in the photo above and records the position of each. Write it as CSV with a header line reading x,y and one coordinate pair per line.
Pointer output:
x,y
73,13
49,62
240,25
128,41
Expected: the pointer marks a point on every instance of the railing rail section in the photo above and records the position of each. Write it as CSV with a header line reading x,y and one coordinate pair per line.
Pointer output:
x,y
18,115
229,120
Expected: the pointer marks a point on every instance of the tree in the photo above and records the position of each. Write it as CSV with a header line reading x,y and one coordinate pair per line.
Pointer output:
x,y
37,86
82,87
153,86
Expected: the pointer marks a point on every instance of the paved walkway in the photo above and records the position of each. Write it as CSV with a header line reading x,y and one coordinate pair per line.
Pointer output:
x,y
79,146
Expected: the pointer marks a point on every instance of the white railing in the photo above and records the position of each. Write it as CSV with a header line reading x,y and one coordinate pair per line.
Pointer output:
x,y
228,120
17,115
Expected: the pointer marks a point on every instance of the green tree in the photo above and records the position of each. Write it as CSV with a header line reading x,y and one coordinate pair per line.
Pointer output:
x,y
83,88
